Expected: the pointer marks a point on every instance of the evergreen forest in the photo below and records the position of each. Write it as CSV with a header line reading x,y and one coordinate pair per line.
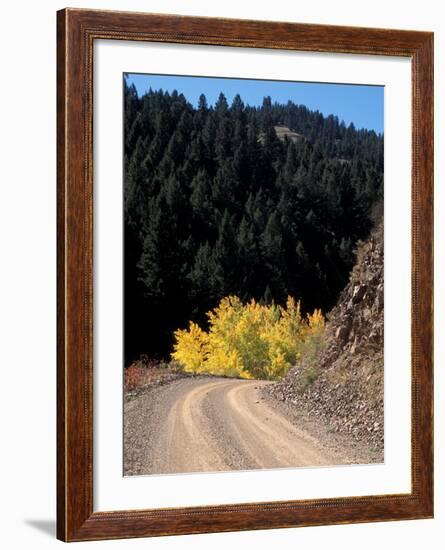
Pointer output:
x,y
259,202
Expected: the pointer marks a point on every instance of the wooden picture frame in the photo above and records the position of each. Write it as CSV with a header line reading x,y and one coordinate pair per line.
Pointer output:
x,y
77,31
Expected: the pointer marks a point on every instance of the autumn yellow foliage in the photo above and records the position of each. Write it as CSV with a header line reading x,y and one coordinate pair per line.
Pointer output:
x,y
249,340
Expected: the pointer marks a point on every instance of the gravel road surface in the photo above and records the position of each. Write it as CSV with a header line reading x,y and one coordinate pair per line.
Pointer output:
x,y
214,424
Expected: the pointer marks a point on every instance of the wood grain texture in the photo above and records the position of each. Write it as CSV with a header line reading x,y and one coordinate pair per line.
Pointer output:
x,y
76,31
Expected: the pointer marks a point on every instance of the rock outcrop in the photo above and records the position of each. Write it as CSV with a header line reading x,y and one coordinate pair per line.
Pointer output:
x,y
343,384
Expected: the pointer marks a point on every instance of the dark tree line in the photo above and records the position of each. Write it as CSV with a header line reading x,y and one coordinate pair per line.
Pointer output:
x,y
216,204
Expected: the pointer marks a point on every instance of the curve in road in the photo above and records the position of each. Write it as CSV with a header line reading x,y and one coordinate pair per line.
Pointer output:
x,y
209,425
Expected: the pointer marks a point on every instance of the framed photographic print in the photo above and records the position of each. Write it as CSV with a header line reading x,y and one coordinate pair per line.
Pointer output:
x,y
245,229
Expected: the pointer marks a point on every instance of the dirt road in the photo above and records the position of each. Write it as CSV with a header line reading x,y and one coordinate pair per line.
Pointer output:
x,y
196,425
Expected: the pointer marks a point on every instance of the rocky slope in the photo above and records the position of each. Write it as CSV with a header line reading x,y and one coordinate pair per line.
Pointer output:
x,y
341,383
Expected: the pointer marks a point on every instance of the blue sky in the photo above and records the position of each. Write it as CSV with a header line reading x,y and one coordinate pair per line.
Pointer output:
x,y
362,105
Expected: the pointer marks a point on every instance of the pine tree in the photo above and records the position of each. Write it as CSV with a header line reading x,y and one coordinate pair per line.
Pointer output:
x,y
226,257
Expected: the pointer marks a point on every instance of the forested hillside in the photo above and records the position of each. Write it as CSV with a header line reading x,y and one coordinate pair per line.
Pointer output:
x,y
258,202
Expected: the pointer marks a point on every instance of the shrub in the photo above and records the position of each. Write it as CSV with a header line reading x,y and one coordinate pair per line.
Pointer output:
x,y
191,348
134,377
310,353
249,340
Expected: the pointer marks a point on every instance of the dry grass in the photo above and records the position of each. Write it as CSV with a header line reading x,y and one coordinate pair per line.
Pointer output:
x,y
363,371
